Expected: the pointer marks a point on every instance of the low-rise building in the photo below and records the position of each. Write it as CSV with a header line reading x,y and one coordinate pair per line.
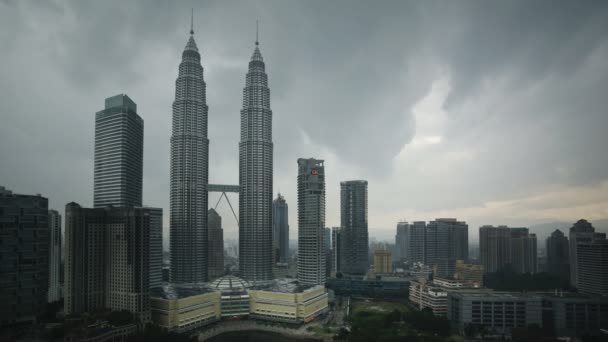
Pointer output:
x,y
574,314
425,295
189,306
184,307
286,301
498,312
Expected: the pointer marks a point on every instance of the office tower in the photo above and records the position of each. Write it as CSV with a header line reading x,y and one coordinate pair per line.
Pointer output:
x,y
24,254
592,267
119,154
581,232
54,222
189,171
446,241
107,262
311,221
280,228
353,218
255,174
216,245
503,246
558,260
383,261
156,247
335,249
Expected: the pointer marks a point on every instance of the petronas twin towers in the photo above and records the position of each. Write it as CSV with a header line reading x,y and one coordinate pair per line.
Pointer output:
x,y
190,173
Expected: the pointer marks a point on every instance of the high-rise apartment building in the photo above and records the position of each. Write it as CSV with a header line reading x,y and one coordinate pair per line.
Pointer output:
x,y
216,245
354,234
592,267
24,258
311,222
280,228
411,241
189,171
54,256
107,264
502,246
119,154
383,261
581,232
558,260
255,174
446,240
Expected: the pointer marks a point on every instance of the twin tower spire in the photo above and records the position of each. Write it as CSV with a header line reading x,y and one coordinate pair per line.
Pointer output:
x,y
190,172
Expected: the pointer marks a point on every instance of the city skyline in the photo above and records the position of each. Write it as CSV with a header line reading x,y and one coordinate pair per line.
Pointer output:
x,y
516,191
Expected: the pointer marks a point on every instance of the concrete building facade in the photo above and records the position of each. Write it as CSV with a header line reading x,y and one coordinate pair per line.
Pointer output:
x,y
503,246
581,232
107,261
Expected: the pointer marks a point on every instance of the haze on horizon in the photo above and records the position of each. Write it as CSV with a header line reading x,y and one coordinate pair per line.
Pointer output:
x,y
491,112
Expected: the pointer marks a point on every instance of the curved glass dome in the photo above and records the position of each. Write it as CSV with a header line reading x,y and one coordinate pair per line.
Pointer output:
x,y
229,282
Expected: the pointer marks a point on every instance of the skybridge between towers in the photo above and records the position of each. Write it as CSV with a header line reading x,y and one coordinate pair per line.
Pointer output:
x,y
224,189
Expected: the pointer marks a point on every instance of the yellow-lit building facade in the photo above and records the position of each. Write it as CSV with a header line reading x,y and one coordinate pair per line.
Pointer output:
x,y
382,261
186,313
299,307
469,273
183,308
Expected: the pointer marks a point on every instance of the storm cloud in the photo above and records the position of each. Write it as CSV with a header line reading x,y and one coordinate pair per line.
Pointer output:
x,y
492,112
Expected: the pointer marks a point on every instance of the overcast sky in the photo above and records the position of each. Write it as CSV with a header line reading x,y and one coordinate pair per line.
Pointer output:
x,y
494,112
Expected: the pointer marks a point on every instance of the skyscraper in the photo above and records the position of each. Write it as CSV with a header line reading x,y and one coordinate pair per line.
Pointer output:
x,y
354,235
581,232
502,246
216,245
311,222
558,260
280,228
24,253
107,264
255,174
189,171
119,153
54,256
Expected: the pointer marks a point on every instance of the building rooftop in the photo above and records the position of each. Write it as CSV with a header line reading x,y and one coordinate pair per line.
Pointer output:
x,y
282,285
229,283
178,291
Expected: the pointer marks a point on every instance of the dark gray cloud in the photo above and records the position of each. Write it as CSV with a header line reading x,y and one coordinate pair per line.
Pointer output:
x,y
524,110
